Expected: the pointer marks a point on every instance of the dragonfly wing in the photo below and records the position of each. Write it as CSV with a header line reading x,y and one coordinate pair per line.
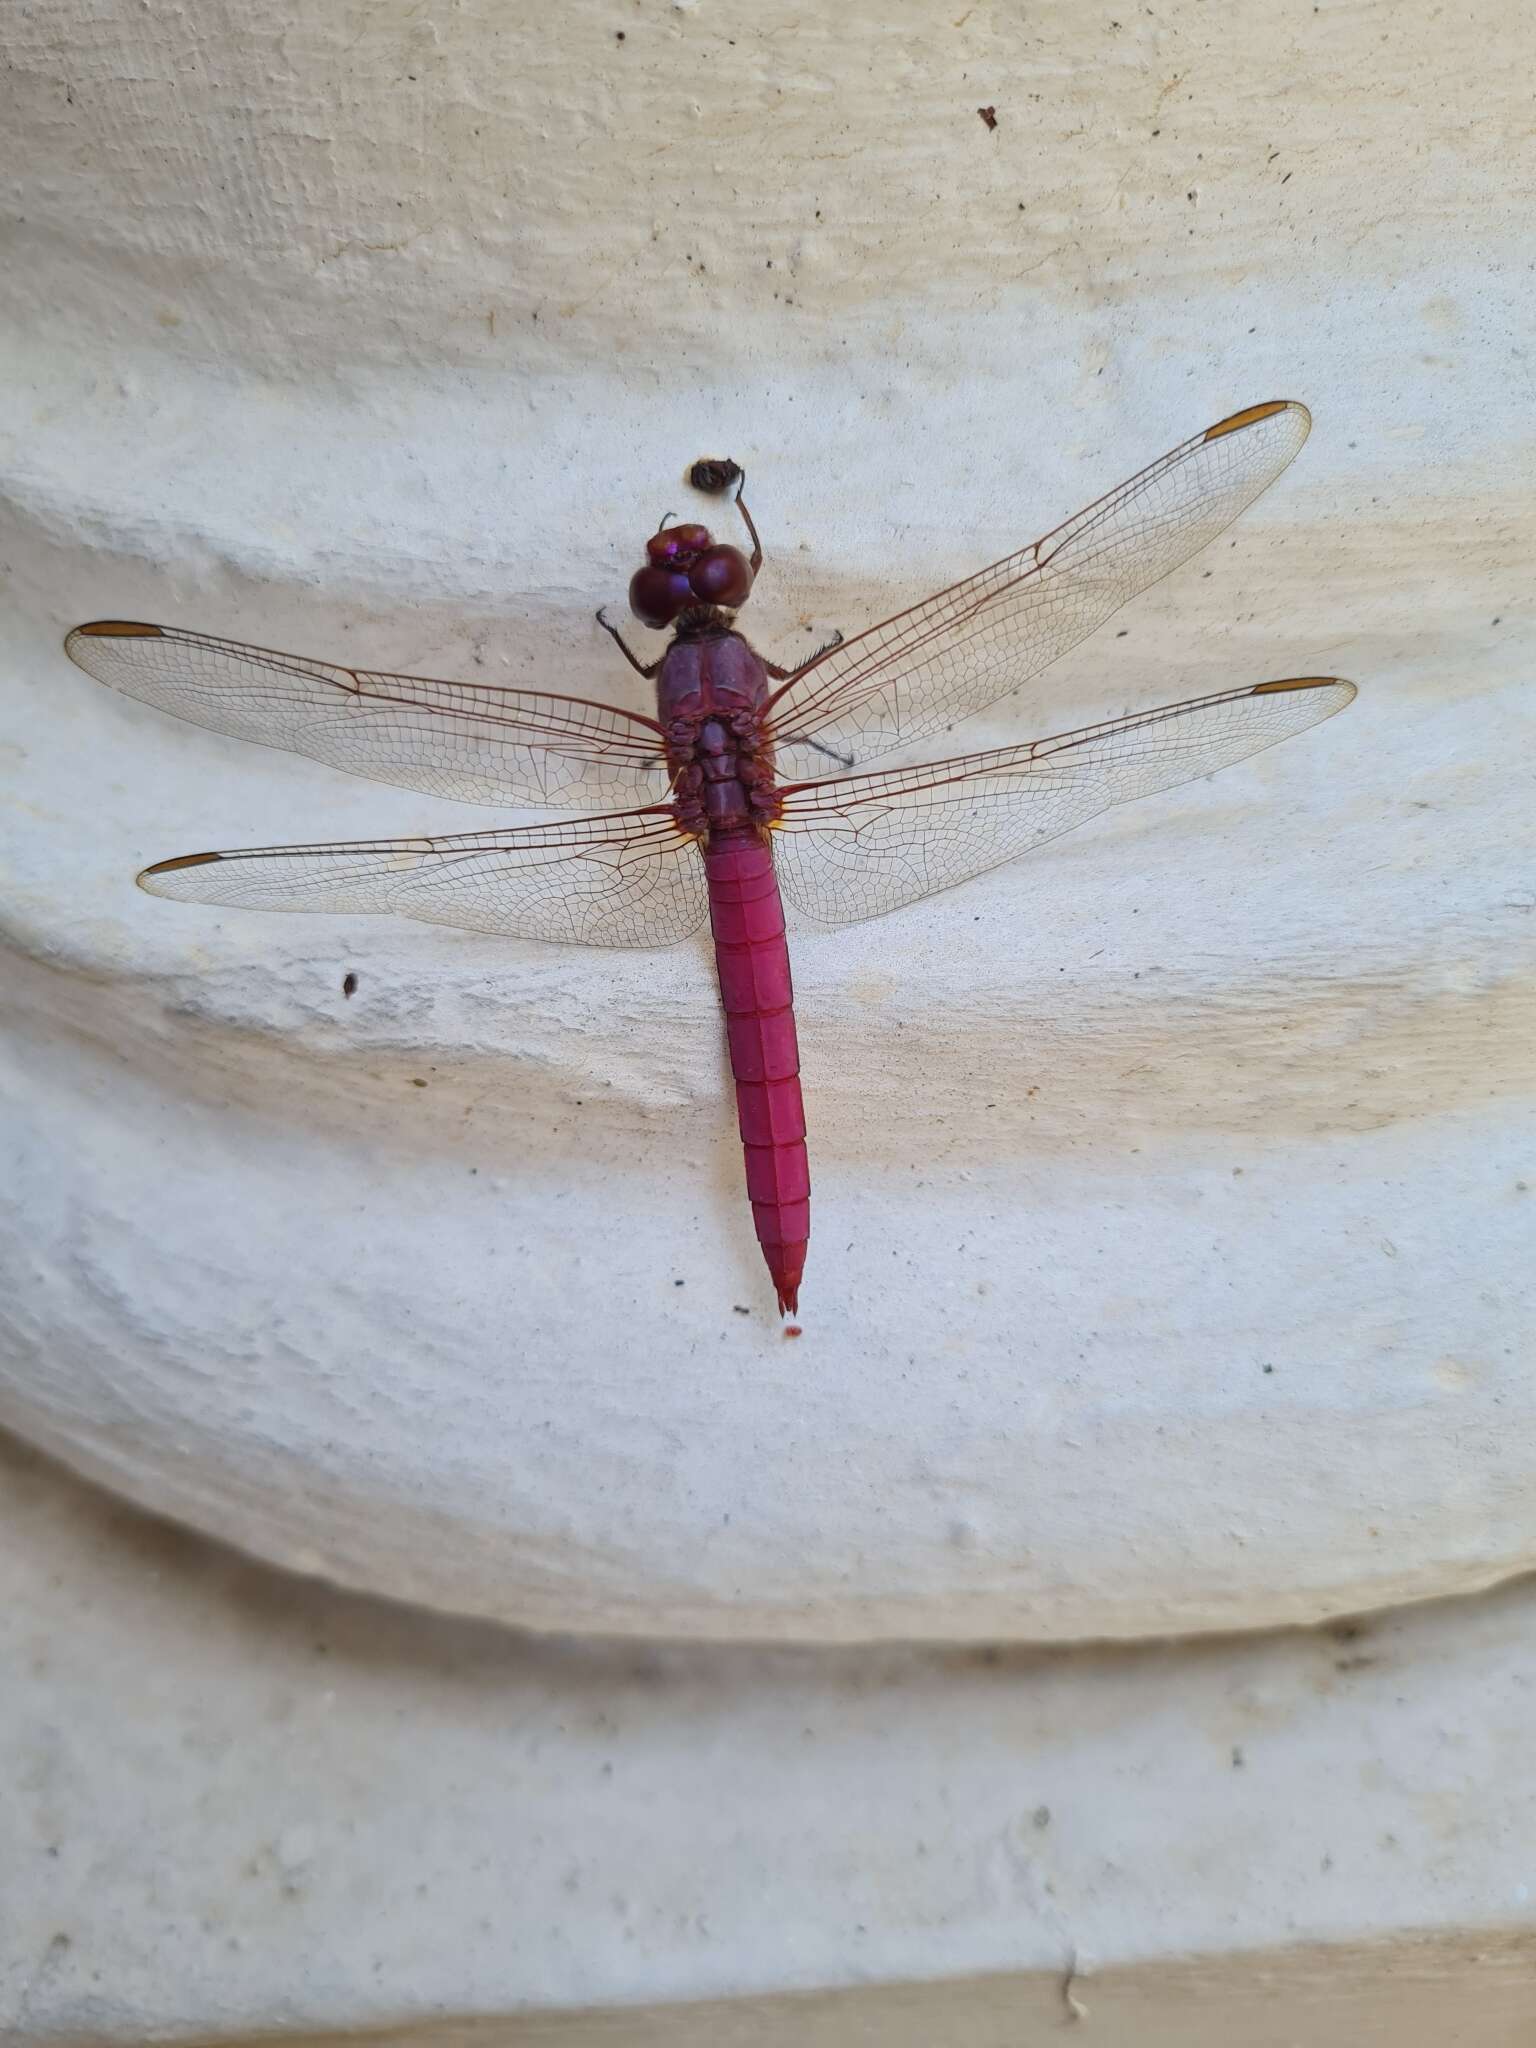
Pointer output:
x,y
630,878
476,742
860,845
925,669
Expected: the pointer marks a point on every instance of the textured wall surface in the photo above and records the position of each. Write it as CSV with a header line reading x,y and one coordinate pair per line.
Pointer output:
x,y
1172,1212
234,1804
1172,1255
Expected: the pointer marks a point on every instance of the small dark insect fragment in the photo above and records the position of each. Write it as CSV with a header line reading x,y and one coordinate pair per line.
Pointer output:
x,y
349,984
714,474
989,115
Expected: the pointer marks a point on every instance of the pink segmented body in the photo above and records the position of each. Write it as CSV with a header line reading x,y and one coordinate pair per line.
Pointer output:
x,y
710,695
752,957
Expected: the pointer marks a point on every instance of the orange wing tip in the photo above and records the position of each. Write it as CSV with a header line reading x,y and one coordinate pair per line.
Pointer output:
x,y
116,629
182,860
1302,683
1252,414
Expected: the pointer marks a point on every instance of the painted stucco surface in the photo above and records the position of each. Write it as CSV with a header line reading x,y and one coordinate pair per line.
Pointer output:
x,y
238,1804
1171,1266
1172,1218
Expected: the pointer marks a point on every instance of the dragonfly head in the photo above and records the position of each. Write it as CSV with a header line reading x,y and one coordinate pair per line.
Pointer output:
x,y
685,568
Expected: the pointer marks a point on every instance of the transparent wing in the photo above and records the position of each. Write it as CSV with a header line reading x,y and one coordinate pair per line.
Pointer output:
x,y
925,669
475,741
860,845
630,878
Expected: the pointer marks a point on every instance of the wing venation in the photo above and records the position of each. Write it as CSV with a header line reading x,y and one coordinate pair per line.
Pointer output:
x,y
628,878
860,845
475,742
927,668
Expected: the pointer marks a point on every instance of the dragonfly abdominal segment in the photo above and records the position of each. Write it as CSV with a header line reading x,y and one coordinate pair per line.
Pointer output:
x,y
711,694
752,960
723,799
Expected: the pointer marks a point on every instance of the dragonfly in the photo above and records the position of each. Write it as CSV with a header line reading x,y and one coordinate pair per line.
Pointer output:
x,y
721,806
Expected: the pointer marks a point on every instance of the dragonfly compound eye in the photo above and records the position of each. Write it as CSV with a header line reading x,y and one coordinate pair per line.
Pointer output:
x,y
658,592
686,567
721,575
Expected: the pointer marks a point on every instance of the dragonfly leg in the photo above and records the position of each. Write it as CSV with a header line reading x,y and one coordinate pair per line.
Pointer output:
x,y
788,675
799,739
641,668
757,546
826,647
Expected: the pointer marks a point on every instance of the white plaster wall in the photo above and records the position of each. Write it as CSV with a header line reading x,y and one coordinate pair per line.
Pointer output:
x,y
1172,1217
236,1807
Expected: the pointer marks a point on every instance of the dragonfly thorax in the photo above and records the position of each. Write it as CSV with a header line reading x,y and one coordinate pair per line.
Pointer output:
x,y
712,699
722,779
712,670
